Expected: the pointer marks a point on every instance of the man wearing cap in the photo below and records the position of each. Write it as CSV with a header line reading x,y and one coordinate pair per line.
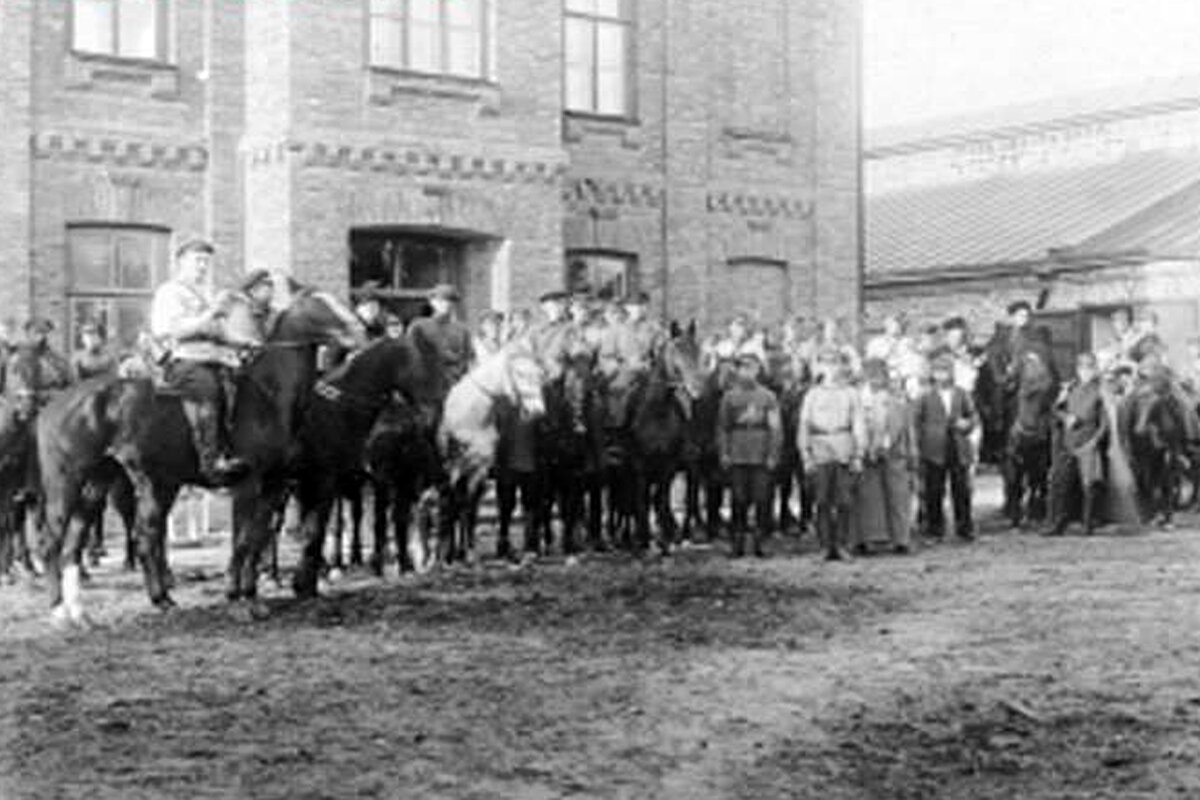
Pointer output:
x,y
188,319
368,307
585,338
551,338
749,440
92,359
443,334
648,334
34,368
259,290
944,419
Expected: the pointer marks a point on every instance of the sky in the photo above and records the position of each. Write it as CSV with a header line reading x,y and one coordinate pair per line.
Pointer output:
x,y
934,58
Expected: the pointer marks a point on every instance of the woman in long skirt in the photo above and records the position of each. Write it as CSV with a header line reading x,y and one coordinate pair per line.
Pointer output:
x,y
882,513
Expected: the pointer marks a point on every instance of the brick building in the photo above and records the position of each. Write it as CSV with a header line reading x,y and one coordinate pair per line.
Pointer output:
x,y
1079,205
703,150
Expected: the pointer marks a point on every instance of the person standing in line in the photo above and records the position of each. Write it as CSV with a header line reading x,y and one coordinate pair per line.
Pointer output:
x,y
93,358
749,433
945,417
1079,458
831,437
884,506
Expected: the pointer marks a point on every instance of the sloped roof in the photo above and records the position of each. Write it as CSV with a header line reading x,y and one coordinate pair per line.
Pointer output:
x,y
1155,96
1018,218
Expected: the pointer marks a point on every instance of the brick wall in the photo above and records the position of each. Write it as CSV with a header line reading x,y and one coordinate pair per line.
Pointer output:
x,y
16,20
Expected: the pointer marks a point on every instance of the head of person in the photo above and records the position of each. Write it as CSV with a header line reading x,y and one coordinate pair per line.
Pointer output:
x,y
580,308
368,306
442,299
1018,313
1087,368
1147,321
955,332
739,327
193,261
635,306
831,330
554,304
259,287
830,366
37,331
516,323
1120,320
90,337
930,339
393,326
489,325
614,313
748,369
875,372
893,326
941,370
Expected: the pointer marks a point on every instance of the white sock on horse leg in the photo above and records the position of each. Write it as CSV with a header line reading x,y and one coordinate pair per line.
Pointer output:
x,y
71,592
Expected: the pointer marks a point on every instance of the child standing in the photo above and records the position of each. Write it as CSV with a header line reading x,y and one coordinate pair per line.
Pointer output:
x,y
945,416
831,438
749,435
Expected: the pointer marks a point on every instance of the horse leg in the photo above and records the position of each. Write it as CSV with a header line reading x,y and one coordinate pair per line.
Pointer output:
x,y
356,515
259,533
316,503
595,513
243,501
661,498
641,514
506,504
381,502
60,497
714,491
408,551
339,523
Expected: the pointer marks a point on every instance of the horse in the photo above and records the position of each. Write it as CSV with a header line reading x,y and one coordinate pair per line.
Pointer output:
x,y
1028,454
145,430
571,434
16,452
661,409
1156,427
340,415
992,399
703,472
468,436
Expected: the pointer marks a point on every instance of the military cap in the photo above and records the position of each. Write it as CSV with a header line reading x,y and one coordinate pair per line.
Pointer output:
x,y
955,323
444,291
874,368
941,358
370,290
748,357
830,355
553,296
1019,305
38,325
637,299
254,279
194,244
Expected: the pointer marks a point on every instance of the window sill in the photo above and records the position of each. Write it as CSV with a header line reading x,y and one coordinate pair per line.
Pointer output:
x,y
155,79
385,85
578,125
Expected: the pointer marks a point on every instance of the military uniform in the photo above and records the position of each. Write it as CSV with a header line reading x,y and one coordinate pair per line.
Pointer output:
x,y
451,340
1080,456
831,438
37,370
749,439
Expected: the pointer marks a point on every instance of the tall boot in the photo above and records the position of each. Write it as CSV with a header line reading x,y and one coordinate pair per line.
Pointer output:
x,y
215,468
1091,501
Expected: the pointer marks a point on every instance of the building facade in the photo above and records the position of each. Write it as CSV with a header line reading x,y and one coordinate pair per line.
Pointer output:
x,y
1078,205
705,151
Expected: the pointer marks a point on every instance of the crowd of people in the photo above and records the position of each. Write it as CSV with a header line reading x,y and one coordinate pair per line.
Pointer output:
x,y
873,438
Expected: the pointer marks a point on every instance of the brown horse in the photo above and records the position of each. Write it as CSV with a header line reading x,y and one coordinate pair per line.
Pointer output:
x,y
147,433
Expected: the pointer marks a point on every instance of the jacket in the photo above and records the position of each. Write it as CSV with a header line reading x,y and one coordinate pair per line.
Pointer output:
x,y
450,339
832,429
749,428
939,438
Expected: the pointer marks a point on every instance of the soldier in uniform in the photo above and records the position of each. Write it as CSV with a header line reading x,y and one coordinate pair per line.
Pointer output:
x,y
551,338
1080,455
35,368
368,308
648,334
187,318
259,290
749,439
444,334
585,340
93,358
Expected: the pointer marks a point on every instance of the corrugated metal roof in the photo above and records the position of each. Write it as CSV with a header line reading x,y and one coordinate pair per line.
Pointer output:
x,y
1170,228
1020,217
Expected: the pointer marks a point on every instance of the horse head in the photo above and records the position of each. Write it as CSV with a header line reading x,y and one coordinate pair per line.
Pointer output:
x,y
317,317
524,380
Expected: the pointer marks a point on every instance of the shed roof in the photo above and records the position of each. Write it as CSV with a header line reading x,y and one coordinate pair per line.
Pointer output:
x,y
1146,201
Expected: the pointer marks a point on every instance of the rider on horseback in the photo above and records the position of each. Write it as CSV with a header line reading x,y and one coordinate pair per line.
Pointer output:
x,y
188,318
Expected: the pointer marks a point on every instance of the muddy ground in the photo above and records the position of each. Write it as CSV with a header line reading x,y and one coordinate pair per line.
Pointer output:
x,y
1015,667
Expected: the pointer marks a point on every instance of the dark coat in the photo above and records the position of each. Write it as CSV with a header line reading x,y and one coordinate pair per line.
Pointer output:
x,y
938,437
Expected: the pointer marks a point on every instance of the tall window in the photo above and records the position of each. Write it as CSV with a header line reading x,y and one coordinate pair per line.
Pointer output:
x,y
113,272
611,275
402,267
447,37
124,28
599,36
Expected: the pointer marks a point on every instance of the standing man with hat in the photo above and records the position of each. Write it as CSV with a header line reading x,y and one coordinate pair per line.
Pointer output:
x,y
442,333
188,318
35,368
944,419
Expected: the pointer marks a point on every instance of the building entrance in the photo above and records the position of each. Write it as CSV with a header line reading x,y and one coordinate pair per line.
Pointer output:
x,y
403,265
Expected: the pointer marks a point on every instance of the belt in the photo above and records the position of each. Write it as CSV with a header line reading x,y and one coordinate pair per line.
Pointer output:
x,y
828,431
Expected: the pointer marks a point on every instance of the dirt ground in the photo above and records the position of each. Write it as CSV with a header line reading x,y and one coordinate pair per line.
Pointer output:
x,y
1015,667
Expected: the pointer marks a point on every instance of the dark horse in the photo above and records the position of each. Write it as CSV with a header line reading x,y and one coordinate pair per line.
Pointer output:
x,y
1155,423
705,480
147,433
661,409
340,415
1027,458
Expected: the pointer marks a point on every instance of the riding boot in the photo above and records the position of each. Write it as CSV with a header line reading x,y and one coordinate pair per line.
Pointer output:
x,y
1091,498
216,468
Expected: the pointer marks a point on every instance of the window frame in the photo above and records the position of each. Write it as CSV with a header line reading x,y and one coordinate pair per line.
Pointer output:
x,y
631,279
628,20
164,39
486,43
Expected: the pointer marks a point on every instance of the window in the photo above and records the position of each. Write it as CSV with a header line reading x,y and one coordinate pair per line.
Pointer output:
x,y
403,266
113,272
599,40
124,28
446,37
611,275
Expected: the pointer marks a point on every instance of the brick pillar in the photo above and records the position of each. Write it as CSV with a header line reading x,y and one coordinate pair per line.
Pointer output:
x,y
16,30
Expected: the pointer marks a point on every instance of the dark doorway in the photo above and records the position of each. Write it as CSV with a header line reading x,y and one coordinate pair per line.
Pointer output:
x,y
405,265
